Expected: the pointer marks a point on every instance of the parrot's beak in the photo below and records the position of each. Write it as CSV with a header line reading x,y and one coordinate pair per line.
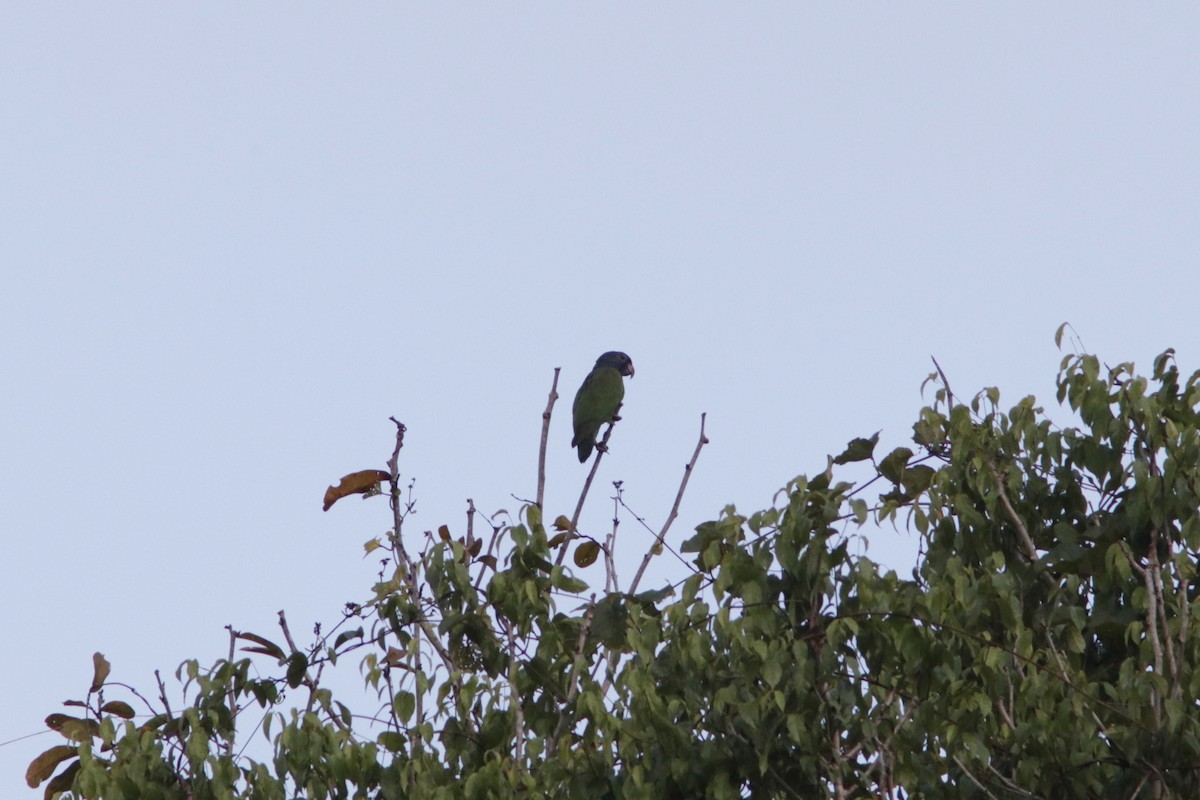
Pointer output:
x,y
630,373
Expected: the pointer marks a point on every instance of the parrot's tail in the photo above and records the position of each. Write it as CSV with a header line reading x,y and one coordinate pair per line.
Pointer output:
x,y
585,450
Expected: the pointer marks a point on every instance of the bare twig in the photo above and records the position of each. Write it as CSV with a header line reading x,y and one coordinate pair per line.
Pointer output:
x,y
410,575
415,731
541,482
230,696
162,693
687,474
287,633
601,449
610,544
470,540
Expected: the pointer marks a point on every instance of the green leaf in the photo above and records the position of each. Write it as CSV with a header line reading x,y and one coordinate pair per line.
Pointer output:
x,y
404,704
892,466
858,449
917,479
609,621
346,636
392,741
297,666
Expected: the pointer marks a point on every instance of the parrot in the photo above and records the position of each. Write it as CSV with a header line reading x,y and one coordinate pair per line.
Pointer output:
x,y
598,399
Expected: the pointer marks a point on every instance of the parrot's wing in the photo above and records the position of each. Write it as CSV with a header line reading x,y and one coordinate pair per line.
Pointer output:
x,y
595,404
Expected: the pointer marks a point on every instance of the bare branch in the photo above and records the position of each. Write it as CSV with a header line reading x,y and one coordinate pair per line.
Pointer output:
x,y
410,574
541,481
601,449
610,544
230,695
687,474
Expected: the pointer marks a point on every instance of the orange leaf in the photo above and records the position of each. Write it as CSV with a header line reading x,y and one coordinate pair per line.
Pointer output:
x,y
354,483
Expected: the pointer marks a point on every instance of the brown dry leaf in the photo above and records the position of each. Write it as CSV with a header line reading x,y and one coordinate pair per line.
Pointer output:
x,y
394,657
559,538
100,671
354,483
561,523
444,532
43,766
118,708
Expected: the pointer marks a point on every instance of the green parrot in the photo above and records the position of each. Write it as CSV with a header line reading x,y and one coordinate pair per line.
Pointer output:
x,y
598,399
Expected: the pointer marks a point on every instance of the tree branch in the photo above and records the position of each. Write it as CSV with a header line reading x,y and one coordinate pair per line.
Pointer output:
x,y
541,479
601,449
687,474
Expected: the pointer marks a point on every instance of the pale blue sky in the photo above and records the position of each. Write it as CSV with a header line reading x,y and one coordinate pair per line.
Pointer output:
x,y
236,238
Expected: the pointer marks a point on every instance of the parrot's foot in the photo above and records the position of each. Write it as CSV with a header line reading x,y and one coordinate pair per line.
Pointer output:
x,y
602,447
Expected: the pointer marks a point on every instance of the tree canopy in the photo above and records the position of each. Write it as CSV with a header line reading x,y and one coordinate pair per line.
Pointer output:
x,y
1041,647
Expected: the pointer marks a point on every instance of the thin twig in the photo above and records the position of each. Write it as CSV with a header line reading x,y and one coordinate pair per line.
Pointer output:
x,y
974,780
541,480
410,575
230,695
470,540
687,474
601,449
1022,531
287,633
642,521
610,544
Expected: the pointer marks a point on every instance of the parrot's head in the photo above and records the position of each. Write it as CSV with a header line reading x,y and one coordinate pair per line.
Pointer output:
x,y
618,361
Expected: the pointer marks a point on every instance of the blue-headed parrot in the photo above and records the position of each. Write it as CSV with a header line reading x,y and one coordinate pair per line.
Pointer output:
x,y
598,399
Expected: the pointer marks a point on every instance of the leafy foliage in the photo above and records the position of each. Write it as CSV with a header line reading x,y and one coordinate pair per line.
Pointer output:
x,y
1042,648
